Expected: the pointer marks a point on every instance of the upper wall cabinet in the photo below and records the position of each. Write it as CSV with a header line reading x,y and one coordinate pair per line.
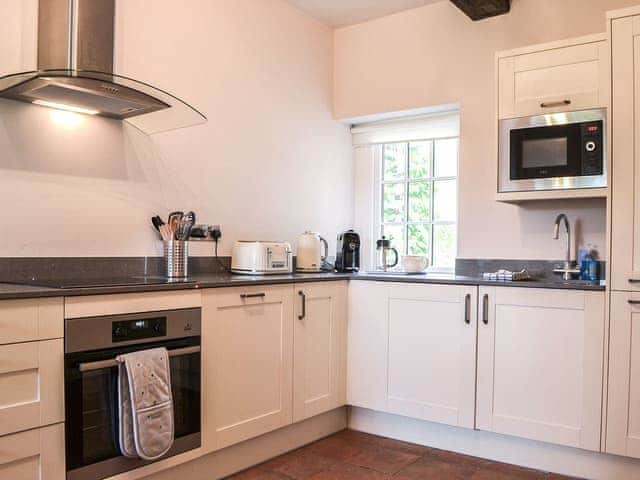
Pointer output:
x,y
625,236
551,78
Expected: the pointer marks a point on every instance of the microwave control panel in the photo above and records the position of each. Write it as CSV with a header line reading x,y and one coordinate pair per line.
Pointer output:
x,y
592,145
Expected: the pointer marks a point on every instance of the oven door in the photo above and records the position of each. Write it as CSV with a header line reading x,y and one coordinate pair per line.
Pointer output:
x,y
92,449
553,152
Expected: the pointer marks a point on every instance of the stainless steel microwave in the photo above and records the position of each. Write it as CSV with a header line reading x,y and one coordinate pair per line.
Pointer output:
x,y
556,151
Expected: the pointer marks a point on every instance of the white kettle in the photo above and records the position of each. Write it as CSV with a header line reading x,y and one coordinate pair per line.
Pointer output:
x,y
309,255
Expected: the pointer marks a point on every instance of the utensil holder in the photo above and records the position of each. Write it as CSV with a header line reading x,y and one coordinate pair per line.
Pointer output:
x,y
176,255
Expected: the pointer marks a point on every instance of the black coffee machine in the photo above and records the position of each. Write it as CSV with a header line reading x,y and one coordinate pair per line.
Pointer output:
x,y
348,252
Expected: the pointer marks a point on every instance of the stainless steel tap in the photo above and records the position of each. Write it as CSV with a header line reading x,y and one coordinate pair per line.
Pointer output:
x,y
568,268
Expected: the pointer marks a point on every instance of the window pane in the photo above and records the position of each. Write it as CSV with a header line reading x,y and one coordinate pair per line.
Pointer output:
x,y
393,204
420,159
394,161
444,250
419,201
445,200
420,240
446,158
395,233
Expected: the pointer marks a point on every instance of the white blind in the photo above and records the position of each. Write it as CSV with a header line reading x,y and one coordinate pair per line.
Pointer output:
x,y
439,125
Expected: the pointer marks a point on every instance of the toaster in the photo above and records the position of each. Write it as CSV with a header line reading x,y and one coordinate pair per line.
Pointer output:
x,y
261,258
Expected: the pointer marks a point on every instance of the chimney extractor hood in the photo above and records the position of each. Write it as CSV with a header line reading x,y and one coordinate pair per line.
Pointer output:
x,y
75,71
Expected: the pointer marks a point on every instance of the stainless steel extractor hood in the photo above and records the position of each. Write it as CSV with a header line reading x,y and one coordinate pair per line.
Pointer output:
x,y
75,71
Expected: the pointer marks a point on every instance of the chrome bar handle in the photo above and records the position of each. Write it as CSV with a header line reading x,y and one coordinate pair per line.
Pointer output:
x,y
244,296
100,364
560,103
303,297
467,308
485,309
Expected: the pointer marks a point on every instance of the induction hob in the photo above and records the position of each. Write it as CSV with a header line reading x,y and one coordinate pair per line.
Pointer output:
x,y
69,283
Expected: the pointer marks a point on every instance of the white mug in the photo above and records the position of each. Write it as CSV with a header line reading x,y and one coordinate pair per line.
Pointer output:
x,y
414,263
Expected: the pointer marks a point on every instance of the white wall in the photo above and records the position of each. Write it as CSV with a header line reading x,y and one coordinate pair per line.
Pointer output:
x,y
435,55
270,163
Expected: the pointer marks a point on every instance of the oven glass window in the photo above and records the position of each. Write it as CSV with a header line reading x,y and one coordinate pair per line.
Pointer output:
x,y
544,152
92,421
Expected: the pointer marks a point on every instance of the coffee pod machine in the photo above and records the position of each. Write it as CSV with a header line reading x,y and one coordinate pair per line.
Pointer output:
x,y
348,252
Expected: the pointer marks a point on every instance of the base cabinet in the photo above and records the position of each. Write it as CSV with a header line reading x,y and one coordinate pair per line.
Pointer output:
x,y
320,321
623,419
247,363
412,350
540,364
33,455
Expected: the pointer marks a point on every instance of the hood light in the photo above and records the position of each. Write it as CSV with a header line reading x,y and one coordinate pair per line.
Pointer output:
x,y
67,108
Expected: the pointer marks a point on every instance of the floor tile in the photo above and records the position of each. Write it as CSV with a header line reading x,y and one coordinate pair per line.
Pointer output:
x,y
359,437
507,472
302,466
384,460
429,468
257,474
458,458
350,472
334,448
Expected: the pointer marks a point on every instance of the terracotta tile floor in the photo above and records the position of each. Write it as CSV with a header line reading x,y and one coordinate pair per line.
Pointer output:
x,y
350,455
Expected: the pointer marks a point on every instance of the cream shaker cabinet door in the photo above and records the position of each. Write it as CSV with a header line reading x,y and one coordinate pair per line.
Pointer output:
x,y
367,345
31,385
432,352
247,363
33,319
33,455
625,233
623,407
540,364
319,343
556,80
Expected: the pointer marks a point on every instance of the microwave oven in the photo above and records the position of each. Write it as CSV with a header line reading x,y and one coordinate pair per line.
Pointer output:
x,y
556,151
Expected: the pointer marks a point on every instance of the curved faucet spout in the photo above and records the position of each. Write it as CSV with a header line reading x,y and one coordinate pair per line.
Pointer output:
x,y
556,233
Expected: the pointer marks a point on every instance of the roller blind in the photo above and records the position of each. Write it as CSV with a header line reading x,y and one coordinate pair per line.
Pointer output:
x,y
441,125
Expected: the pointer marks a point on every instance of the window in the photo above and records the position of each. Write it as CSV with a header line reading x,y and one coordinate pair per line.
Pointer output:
x,y
418,198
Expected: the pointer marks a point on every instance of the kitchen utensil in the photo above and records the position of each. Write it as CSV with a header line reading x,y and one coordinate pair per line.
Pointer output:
x,y
383,249
414,263
348,252
261,258
157,222
310,252
186,225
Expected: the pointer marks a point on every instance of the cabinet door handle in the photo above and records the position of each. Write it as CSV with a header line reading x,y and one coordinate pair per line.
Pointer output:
x,y
467,309
485,309
634,302
634,280
559,103
303,298
252,295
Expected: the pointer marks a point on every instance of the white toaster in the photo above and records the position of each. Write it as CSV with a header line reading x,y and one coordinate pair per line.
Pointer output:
x,y
261,258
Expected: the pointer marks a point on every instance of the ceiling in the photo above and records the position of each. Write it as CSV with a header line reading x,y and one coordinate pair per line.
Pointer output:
x,y
339,13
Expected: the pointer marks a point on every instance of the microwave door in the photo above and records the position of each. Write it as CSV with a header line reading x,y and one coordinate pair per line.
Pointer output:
x,y
548,152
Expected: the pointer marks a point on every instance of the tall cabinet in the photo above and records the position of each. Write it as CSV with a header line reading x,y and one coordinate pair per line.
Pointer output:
x,y
623,412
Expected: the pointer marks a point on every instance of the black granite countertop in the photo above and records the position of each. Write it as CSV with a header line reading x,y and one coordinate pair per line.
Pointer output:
x,y
220,280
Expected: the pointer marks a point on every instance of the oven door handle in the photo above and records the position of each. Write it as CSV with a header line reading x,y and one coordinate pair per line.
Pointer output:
x,y
89,366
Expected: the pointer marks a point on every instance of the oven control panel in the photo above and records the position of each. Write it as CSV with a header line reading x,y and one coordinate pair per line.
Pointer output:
x,y
127,330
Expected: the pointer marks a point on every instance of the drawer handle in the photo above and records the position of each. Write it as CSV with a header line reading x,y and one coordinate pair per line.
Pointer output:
x,y
244,296
467,309
485,309
634,280
559,103
303,298
634,302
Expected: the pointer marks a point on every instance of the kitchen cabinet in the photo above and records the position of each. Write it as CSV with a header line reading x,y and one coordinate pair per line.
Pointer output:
x,y
557,77
540,364
623,418
29,320
33,455
31,385
412,350
247,354
319,339
625,236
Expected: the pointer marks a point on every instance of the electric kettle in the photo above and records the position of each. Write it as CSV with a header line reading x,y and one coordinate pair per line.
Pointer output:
x,y
310,255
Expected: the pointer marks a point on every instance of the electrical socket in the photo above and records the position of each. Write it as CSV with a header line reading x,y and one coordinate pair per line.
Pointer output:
x,y
216,232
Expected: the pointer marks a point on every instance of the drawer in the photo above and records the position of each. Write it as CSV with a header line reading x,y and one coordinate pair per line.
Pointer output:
x,y
31,385
28,320
34,455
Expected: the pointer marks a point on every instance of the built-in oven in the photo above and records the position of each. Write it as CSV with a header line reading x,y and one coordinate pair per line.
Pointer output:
x,y
91,382
556,151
